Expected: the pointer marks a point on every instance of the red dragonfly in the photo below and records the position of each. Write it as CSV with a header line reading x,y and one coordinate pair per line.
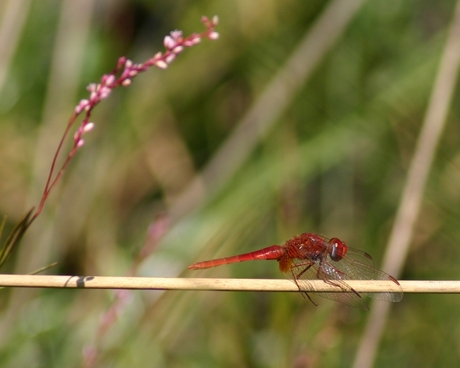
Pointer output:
x,y
309,256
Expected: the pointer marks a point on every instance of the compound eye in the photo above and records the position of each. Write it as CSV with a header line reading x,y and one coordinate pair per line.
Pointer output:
x,y
338,249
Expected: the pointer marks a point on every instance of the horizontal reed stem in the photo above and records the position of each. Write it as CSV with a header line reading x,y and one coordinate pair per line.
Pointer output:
x,y
159,283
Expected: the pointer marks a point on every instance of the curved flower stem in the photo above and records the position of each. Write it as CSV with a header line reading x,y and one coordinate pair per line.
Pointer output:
x,y
121,75
126,70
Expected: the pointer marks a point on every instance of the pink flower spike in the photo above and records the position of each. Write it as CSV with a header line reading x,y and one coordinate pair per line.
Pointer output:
x,y
121,75
88,127
170,58
81,105
104,93
191,42
110,80
92,87
213,36
169,42
161,64
77,135
177,35
178,49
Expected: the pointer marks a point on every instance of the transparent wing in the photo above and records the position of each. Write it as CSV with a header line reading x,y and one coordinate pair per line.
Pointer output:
x,y
303,271
356,265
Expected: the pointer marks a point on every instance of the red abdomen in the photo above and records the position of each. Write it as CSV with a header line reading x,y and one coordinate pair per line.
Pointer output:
x,y
273,252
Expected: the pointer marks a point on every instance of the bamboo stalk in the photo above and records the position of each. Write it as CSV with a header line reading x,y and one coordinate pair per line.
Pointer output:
x,y
211,284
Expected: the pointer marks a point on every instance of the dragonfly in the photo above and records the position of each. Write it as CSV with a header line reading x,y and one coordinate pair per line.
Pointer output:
x,y
309,256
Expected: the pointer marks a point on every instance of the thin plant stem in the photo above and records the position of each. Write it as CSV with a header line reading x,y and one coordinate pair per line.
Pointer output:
x,y
409,208
49,185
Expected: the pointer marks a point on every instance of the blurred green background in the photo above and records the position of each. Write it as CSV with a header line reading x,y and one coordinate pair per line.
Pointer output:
x,y
168,177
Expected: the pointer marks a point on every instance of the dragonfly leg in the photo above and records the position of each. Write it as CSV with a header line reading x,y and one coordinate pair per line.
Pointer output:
x,y
305,294
295,277
320,275
302,272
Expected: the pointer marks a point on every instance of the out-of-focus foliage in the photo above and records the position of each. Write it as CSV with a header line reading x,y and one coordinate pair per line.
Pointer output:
x,y
333,163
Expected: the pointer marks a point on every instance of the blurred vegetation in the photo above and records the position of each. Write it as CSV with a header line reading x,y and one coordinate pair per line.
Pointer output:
x,y
333,163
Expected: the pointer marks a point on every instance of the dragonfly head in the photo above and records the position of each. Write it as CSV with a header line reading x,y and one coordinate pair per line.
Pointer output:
x,y
338,249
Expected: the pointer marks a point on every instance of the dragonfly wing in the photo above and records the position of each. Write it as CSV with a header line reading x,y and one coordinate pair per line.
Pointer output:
x,y
360,256
355,266
303,271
